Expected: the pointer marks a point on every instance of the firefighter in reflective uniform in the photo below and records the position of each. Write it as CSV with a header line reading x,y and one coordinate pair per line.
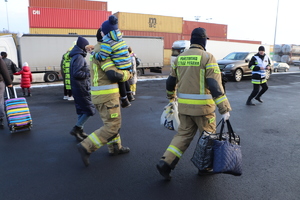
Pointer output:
x,y
197,77
259,63
105,95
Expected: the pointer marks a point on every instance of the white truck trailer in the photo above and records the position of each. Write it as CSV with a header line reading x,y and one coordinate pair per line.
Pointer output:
x,y
43,53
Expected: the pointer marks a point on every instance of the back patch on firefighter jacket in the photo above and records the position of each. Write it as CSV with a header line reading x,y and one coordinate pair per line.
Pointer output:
x,y
192,60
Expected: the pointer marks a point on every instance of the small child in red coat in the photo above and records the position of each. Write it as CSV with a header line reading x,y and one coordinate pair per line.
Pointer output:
x,y
26,78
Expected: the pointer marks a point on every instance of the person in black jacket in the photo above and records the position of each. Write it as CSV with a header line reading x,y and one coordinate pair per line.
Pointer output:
x,y
4,81
12,68
80,85
259,63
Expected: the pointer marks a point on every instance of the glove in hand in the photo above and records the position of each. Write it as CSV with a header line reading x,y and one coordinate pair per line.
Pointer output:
x,y
226,116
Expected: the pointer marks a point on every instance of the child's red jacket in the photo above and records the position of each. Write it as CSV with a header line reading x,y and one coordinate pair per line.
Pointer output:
x,y
26,77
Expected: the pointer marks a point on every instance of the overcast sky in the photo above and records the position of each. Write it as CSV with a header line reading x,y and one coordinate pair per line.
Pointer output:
x,y
246,20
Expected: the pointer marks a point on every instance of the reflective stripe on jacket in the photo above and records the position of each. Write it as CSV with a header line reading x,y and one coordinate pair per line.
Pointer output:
x,y
199,84
259,76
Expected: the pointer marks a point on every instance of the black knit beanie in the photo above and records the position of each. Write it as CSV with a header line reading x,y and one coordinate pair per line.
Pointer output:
x,y
199,37
261,48
98,35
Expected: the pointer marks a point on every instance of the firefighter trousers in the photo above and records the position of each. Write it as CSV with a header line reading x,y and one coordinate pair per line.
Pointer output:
x,y
186,132
110,114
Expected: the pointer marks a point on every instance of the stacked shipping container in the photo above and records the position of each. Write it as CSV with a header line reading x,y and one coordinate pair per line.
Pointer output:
x,y
287,53
66,16
85,17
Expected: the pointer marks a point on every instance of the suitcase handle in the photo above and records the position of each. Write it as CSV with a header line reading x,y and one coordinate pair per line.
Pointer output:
x,y
7,92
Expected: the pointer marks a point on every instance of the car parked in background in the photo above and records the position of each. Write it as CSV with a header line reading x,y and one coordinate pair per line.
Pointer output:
x,y
235,65
281,67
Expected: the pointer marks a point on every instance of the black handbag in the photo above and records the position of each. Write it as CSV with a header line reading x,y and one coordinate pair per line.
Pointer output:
x,y
227,156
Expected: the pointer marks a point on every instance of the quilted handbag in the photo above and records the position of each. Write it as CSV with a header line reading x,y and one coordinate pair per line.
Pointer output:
x,y
227,153
203,154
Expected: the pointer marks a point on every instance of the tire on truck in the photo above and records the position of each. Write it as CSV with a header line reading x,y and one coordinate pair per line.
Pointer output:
x,y
50,77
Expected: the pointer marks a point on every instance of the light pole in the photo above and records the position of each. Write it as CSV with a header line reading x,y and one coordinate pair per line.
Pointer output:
x,y
275,29
7,16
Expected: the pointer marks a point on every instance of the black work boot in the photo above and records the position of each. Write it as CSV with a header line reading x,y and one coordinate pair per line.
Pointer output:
x,y
83,134
1,123
130,96
84,154
125,103
164,169
118,151
249,102
258,99
76,132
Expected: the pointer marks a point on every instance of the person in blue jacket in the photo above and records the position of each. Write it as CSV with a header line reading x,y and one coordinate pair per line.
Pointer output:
x,y
80,85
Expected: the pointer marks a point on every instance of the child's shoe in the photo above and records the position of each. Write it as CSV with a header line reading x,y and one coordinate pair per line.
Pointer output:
x,y
65,98
130,96
29,94
125,103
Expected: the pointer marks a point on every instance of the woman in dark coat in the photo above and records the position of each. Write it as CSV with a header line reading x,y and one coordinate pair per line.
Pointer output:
x,y
80,85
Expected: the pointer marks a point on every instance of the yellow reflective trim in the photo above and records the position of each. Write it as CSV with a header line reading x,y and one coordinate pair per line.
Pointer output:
x,y
95,71
212,120
114,115
259,81
191,60
212,65
202,81
177,152
196,101
220,99
107,64
95,140
170,92
102,92
115,140
125,77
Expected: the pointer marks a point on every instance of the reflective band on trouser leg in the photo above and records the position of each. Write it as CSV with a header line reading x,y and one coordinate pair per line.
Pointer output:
x,y
196,101
177,152
220,99
115,140
96,141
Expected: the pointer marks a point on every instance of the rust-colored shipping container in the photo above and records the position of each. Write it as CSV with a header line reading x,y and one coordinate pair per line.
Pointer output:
x,y
188,37
150,23
169,38
63,31
71,4
212,30
66,18
244,41
167,57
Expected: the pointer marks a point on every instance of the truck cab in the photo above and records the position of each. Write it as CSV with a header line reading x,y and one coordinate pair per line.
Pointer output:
x,y
178,47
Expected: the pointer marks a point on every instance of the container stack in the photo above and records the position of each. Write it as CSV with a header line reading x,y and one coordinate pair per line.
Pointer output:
x,y
84,17
66,16
287,53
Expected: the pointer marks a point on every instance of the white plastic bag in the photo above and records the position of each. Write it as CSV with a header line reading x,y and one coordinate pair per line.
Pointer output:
x,y
169,118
